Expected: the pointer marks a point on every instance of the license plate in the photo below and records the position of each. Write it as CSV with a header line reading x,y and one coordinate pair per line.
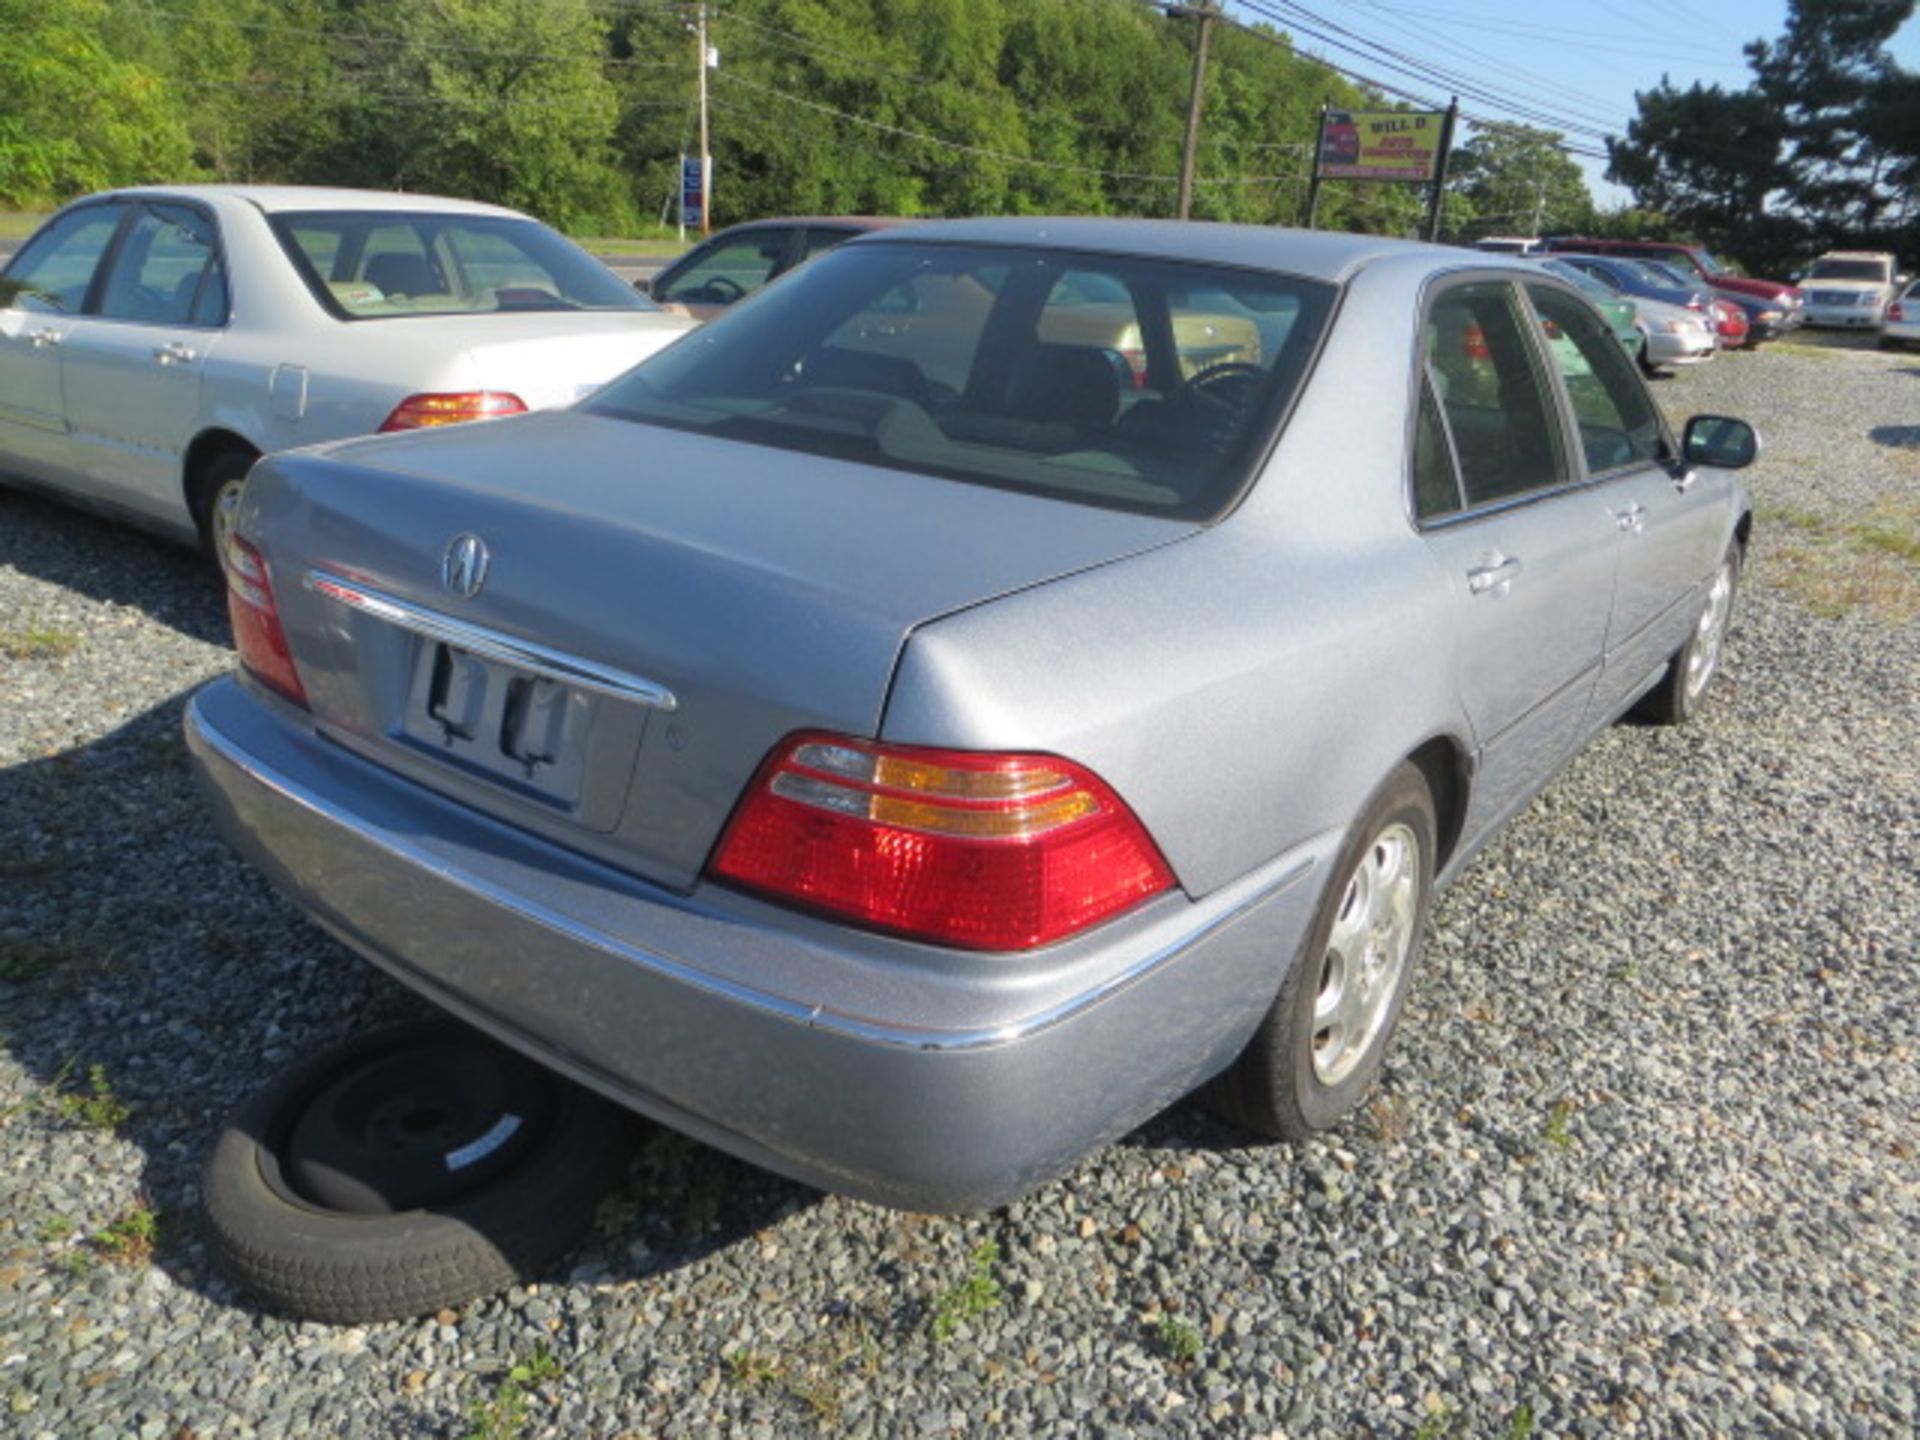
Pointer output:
x,y
522,729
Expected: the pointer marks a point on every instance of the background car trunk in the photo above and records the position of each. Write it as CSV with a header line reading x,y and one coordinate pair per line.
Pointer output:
x,y
768,591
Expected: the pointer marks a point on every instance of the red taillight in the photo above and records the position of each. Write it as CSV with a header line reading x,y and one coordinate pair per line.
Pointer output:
x,y
1894,312
416,412
984,851
1694,304
1473,341
257,635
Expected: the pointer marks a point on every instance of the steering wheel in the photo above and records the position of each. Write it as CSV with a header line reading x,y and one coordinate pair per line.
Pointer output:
x,y
1224,379
722,290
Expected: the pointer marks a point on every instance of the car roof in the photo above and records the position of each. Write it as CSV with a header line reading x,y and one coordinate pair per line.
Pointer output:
x,y
277,198
851,222
1315,254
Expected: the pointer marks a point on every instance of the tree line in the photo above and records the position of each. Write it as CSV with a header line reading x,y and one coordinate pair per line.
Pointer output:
x,y
576,110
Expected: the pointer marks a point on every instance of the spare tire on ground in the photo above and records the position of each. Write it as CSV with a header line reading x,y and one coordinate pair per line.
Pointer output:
x,y
406,1170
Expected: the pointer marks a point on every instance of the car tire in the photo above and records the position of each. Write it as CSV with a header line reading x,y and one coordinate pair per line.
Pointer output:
x,y
409,1169
1683,689
1302,1071
216,490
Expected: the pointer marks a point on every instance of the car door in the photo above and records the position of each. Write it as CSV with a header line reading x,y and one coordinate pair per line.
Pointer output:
x,y
41,293
131,369
1671,524
1528,553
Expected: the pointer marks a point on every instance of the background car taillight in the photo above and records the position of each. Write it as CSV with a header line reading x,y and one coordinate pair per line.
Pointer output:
x,y
963,848
1894,312
416,412
257,635
1473,341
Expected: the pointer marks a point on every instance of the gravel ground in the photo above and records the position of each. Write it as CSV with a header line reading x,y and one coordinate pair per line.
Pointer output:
x,y
1643,1162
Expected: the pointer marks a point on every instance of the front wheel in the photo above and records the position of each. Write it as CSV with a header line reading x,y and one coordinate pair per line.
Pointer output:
x,y
1678,696
1324,1039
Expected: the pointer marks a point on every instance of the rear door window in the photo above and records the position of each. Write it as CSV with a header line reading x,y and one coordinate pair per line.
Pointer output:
x,y
163,261
1499,413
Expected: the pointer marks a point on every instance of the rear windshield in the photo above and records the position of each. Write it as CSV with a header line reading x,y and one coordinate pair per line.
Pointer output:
x,y
1143,385
378,264
1870,270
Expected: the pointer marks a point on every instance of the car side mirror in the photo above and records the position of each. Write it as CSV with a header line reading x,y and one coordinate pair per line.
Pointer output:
x,y
1720,441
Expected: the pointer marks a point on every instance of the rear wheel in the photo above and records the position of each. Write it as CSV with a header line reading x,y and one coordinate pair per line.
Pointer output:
x,y
408,1169
215,495
1322,1043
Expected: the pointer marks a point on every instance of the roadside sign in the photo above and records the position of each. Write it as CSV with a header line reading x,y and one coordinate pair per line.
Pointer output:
x,y
693,191
1380,145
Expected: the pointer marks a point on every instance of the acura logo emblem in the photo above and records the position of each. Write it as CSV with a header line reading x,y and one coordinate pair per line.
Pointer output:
x,y
464,570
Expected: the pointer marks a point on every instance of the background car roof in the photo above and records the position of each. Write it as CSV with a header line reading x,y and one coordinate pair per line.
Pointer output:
x,y
1315,254
272,198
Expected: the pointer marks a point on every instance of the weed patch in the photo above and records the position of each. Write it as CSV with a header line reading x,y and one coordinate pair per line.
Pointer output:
x,y
976,1294
38,643
503,1414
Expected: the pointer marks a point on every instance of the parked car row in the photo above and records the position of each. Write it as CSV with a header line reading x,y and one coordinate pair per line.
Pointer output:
x,y
761,740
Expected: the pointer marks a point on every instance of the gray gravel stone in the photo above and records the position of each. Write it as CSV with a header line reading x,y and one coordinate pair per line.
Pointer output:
x,y
1643,1162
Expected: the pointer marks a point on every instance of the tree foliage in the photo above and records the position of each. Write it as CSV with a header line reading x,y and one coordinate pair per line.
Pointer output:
x,y
1821,148
578,110
1519,180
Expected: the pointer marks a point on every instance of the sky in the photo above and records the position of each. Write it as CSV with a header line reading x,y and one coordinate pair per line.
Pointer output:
x,y
1577,61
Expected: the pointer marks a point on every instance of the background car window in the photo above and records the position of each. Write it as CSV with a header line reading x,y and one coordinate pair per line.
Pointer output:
x,y
1001,367
1618,424
52,273
732,270
1436,484
157,272
1505,431
365,265
818,240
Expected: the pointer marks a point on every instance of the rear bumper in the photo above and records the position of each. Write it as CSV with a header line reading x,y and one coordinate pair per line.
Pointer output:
x,y
898,1073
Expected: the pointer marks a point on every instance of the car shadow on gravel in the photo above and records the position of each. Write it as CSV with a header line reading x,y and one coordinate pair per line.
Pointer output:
x,y
1900,437
112,563
149,982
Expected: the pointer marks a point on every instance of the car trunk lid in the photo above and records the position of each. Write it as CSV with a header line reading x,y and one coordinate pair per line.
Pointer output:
x,y
760,591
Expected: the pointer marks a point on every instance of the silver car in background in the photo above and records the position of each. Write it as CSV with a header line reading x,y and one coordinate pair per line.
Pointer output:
x,y
908,752
155,342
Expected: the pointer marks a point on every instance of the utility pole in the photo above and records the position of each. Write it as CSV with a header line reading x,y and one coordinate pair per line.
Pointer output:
x,y
1205,14
706,155
1439,195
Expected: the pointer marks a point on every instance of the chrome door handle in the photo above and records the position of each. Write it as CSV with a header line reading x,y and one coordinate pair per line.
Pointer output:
x,y
1496,575
174,353
1633,519
42,338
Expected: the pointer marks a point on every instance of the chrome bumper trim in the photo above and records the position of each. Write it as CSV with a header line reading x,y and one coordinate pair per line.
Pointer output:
x,y
525,655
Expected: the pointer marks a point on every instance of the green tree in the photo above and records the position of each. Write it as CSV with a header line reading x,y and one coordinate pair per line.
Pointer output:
x,y
1518,180
75,115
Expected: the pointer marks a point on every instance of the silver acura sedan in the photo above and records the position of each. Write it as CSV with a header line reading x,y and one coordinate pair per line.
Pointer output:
x,y
899,739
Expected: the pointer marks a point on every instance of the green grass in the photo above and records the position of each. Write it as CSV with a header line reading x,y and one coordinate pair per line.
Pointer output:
x,y
1180,1341
975,1294
130,1239
96,1107
503,1414
1555,1131
1836,566
661,241
38,644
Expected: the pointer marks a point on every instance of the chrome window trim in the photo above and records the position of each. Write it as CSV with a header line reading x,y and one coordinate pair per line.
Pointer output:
x,y
536,659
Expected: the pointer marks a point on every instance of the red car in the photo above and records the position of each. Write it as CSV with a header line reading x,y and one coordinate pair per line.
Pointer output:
x,y
1695,261
1729,324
